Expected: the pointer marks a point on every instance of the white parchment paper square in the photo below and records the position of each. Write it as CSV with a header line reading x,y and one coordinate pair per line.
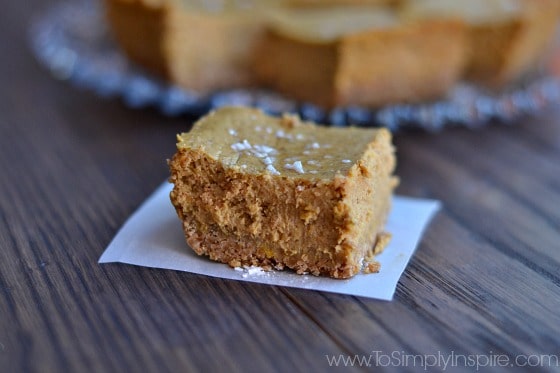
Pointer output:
x,y
152,237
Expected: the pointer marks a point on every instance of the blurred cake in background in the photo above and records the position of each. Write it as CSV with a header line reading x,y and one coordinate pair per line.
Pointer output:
x,y
336,52
506,38
200,45
366,56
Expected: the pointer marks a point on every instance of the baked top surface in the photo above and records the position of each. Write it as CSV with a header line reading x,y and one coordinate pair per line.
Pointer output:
x,y
254,143
472,11
330,23
219,6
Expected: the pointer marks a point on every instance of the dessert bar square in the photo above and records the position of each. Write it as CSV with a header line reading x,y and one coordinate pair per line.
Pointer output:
x,y
252,189
359,56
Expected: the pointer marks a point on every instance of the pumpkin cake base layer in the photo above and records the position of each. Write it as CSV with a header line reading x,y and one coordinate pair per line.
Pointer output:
x,y
280,193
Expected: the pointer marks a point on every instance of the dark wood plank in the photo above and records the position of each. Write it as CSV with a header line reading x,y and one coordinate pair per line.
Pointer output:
x,y
486,208
542,133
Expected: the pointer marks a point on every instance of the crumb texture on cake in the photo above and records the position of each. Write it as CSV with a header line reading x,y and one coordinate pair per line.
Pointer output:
x,y
279,193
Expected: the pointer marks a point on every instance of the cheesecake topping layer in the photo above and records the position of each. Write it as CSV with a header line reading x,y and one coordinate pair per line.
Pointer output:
x,y
256,143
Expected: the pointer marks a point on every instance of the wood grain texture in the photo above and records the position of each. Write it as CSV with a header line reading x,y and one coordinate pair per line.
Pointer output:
x,y
485,279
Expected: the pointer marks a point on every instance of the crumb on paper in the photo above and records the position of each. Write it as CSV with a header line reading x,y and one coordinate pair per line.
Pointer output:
x,y
371,267
369,264
382,242
252,271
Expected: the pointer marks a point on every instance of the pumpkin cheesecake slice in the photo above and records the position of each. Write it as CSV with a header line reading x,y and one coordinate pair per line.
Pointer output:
x,y
506,38
280,193
360,55
196,44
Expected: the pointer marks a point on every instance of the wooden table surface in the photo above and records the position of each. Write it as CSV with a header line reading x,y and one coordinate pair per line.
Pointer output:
x,y
484,281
